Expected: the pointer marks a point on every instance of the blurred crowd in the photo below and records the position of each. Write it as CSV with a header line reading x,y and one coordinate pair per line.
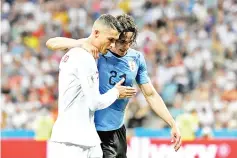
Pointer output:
x,y
190,48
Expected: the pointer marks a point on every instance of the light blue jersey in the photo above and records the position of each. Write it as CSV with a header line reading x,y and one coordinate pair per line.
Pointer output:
x,y
112,69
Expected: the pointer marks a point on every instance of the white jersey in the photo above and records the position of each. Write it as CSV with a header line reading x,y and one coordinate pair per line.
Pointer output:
x,y
79,97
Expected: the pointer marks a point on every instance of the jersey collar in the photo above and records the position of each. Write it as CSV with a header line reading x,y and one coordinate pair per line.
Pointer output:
x,y
118,56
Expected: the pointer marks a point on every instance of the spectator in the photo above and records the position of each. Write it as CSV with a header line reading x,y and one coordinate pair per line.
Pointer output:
x,y
190,49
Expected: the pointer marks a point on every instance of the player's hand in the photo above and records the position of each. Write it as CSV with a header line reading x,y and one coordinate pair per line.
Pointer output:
x,y
92,49
125,91
176,138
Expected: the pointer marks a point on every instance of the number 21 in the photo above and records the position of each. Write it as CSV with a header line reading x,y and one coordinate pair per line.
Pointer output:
x,y
113,75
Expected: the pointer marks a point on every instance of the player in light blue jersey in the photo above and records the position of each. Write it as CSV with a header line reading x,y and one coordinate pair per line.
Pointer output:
x,y
112,68
123,62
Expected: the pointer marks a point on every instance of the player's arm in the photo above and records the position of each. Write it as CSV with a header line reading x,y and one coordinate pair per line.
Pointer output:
x,y
103,101
63,43
156,102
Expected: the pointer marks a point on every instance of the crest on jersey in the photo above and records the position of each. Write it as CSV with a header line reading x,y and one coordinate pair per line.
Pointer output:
x,y
132,65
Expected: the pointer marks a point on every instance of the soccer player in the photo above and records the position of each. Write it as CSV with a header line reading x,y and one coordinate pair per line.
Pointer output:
x,y
74,134
122,62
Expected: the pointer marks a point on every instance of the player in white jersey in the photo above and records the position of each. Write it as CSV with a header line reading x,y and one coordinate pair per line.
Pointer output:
x,y
74,134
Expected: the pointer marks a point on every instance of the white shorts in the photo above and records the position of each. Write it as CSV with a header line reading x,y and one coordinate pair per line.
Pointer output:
x,y
61,150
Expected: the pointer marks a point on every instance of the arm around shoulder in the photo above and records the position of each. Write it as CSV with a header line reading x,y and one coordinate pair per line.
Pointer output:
x,y
62,43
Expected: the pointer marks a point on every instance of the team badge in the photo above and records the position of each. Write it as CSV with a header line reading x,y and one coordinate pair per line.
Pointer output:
x,y
132,65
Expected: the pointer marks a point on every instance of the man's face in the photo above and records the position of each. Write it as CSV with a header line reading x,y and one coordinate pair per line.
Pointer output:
x,y
107,40
124,42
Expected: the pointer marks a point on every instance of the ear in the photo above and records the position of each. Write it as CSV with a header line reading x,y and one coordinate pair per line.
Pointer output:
x,y
96,33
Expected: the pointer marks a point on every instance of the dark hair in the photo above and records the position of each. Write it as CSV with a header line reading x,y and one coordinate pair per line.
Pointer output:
x,y
128,24
111,22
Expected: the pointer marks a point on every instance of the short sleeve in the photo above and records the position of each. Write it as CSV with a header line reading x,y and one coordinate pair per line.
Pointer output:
x,y
142,74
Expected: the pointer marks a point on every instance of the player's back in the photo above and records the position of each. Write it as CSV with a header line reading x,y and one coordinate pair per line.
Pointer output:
x,y
75,122
111,69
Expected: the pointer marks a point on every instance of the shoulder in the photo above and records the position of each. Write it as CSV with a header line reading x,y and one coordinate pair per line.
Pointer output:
x,y
77,51
135,53
80,53
77,56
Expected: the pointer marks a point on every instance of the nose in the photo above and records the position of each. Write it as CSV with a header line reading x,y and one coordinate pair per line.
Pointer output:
x,y
126,46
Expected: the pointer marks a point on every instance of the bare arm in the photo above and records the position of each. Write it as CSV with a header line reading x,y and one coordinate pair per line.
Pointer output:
x,y
63,43
157,104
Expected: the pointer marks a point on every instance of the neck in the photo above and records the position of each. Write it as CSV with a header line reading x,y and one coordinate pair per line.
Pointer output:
x,y
89,40
121,54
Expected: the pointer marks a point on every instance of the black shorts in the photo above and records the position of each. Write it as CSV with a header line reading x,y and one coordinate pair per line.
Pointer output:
x,y
114,144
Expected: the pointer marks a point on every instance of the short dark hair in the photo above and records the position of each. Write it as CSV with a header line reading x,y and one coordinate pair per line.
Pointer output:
x,y
128,25
111,22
